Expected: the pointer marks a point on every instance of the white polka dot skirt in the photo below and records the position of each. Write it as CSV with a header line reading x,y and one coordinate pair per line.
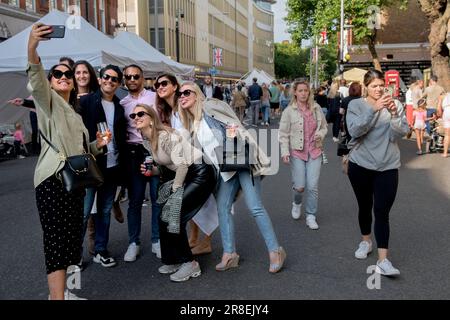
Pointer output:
x,y
61,215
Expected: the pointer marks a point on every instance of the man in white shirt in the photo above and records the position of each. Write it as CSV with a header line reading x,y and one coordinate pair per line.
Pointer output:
x,y
208,88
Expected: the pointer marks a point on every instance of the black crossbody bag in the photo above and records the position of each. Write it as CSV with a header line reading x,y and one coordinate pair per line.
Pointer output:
x,y
79,171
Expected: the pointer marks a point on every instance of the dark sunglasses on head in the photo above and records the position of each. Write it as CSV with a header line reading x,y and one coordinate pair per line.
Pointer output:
x,y
107,77
57,74
132,76
163,84
185,93
139,114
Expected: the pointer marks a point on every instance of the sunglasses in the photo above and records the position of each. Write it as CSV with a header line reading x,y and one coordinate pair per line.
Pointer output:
x,y
139,114
107,77
58,74
185,93
163,84
132,76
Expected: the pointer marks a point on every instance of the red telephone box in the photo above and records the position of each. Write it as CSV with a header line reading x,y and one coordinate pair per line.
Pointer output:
x,y
392,82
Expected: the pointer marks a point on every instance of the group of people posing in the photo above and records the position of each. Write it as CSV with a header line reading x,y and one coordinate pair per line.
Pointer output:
x,y
174,140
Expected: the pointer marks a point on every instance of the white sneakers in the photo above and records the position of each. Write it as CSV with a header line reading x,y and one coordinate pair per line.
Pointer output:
x,y
156,249
311,222
364,248
335,139
132,252
385,268
187,270
296,210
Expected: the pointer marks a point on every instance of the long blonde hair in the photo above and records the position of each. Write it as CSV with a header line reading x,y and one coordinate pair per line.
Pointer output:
x,y
191,118
310,94
157,126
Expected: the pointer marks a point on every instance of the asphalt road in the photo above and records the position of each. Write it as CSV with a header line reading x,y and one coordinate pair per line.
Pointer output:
x,y
320,264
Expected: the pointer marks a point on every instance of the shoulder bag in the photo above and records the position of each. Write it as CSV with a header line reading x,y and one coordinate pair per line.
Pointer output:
x,y
79,171
346,157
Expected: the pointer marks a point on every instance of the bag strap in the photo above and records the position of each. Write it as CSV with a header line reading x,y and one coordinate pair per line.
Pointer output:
x,y
48,142
361,139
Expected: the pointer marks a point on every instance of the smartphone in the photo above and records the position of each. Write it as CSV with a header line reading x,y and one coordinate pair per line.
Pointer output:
x,y
58,31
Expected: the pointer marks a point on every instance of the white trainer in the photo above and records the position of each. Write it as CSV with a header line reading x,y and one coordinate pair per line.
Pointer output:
x,y
169,268
364,248
296,210
386,268
132,252
186,271
311,222
156,249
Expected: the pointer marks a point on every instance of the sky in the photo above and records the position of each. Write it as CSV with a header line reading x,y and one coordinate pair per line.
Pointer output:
x,y
280,26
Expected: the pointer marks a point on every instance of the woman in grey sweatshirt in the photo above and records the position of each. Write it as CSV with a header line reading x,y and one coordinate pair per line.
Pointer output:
x,y
375,123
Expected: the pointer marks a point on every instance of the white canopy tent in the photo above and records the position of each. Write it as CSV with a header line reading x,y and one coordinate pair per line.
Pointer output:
x,y
135,43
81,42
262,77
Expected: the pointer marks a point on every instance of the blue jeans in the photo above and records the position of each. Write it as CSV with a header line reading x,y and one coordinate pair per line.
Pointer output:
x,y
252,193
265,109
156,208
430,112
306,175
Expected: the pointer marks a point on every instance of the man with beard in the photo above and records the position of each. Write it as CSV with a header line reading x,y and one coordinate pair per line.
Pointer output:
x,y
136,153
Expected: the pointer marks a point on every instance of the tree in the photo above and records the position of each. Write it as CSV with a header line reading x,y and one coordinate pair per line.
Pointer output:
x,y
438,14
307,18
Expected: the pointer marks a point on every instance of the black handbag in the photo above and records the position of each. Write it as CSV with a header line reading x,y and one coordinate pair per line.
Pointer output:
x,y
236,155
79,171
342,148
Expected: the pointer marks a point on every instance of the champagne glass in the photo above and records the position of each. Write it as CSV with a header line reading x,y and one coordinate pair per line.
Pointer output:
x,y
102,127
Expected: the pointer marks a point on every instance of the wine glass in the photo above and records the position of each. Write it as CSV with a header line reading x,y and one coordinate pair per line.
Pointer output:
x,y
102,127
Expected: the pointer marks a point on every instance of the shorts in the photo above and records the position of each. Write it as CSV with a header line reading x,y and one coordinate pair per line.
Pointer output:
x,y
419,124
274,105
446,118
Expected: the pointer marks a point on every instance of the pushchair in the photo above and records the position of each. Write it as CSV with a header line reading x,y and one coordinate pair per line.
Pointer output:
x,y
435,142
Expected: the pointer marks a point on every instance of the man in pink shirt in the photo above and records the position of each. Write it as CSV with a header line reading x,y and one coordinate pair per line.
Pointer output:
x,y
136,153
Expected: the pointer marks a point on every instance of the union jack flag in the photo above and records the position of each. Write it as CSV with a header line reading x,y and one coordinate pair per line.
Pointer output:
x,y
217,57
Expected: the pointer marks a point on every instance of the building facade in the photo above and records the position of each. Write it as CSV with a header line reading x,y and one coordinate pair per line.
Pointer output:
x,y
224,37
16,15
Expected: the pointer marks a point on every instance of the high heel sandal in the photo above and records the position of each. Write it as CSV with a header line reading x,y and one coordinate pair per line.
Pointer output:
x,y
232,262
275,267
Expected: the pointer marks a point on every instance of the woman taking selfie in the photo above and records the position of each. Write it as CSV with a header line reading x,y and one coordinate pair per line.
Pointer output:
x,y
60,212
176,154
375,123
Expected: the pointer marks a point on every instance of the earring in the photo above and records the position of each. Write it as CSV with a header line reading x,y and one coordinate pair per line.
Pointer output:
x,y
151,123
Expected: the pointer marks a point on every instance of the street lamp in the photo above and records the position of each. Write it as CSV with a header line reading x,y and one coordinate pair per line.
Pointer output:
x,y
180,15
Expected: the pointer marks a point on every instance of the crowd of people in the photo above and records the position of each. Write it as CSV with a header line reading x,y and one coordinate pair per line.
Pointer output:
x,y
175,139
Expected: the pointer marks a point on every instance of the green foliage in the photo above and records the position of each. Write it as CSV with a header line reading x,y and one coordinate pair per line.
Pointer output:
x,y
307,18
291,61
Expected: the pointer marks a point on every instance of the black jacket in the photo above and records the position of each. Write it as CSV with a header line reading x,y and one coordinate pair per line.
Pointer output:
x,y
91,110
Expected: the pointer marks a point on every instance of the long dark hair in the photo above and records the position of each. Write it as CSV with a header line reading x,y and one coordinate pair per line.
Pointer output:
x,y
93,83
164,109
73,101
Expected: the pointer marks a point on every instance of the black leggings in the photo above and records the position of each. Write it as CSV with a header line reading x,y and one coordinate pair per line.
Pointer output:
x,y
199,184
377,190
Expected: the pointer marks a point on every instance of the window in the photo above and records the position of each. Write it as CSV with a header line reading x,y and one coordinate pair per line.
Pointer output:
x,y
161,46
95,14
65,5
30,5
102,14
53,5
160,6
